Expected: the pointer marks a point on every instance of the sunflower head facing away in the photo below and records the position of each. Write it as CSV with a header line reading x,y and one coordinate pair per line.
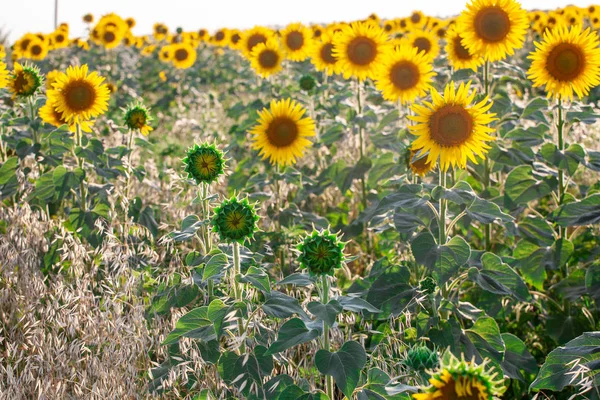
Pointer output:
x,y
460,379
235,220
79,96
321,253
404,74
25,80
281,133
266,58
204,163
493,28
296,39
419,164
138,119
451,128
567,61
359,48
458,55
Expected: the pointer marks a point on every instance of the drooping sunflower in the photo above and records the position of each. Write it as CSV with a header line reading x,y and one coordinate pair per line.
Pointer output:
x,y
281,133
183,55
567,61
451,128
79,96
321,54
493,28
252,37
50,115
359,48
425,41
404,74
460,379
235,220
266,58
321,253
419,164
458,55
296,39
24,81
137,118
204,163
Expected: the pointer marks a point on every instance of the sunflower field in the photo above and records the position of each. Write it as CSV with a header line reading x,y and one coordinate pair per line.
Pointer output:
x,y
375,209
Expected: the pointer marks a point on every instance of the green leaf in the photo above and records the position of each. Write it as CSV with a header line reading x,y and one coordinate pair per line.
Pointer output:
x,y
485,340
65,180
444,261
327,312
292,333
189,227
390,291
536,230
8,170
592,281
356,304
563,363
258,278
517,358
194,325
579,213
568,159
522,187
533,259
535,105
44,188
499,278
344,365
298,279
486,212
215,266
217,310
356,172
245,370
380,387
280,305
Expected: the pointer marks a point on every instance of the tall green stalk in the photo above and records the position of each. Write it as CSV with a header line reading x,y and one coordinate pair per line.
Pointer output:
x,y
238,292
443,207
361,137
486,174
78,141
561,146
326,343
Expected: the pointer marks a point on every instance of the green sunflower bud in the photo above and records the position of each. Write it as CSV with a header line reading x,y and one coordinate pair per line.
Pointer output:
x,y
307,82
235,220
137,118
421,358
204,163
427,285
321,253
25,80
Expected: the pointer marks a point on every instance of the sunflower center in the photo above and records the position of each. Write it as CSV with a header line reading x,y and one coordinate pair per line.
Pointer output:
x,y
206,164
235,38
362,51
59,38
235,221
327,53
295,40
268,58
220,36
423,44
25,44
565,62
451,125
181,54
255,39
460,50
492,24
404,75
23,82
415,18
109,36
420,165
80,96
282,132
36,50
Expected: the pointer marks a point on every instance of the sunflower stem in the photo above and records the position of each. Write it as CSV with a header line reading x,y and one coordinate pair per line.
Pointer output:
x,y
326,343
31,104
78,141
486,163
129,167
362,150
238,293
561,146
443,205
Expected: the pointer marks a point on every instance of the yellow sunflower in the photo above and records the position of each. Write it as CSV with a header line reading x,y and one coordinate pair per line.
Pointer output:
x,y
166,53
50,115
281,133
419,164
221,38
296,39
493,28
458,55
404,74
425,41
183,55
359,48
51,78
37,49
130,22
235,38
321,54
88,18
252,37
59,39
79,96
3,72
111,37
451,128
266,58
24,81
566,62
160,31
417,19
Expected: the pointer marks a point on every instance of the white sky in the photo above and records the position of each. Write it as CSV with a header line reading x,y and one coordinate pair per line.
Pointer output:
x,y
20,16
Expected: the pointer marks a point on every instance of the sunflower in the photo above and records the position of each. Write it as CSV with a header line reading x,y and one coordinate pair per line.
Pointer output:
x,y
567,61
50,115
417,19
493,28
235,220
460,379
166,53
51,78
111,37
183,55
59,39
235,38
88,18
266,58
137,119
204,163
458,55
24,81
160,31
3,72
163,76
281,133
452,128
404,74
22,45
296,40
252,37
37,49
321,55
130,22
220,38
359,48
425,41
79,96
321,253
419,164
